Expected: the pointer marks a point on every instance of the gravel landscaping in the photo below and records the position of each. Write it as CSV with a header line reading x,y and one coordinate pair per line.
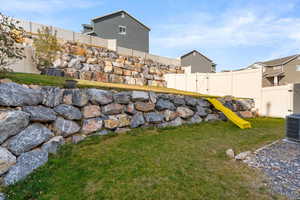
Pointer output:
x,y
280,161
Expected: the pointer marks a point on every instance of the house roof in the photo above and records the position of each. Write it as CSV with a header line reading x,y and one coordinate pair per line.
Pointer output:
x,y
279,61
187,54
118,13
87,25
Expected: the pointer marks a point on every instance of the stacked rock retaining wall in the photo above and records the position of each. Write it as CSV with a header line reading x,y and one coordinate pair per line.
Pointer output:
x,y
35,121
101,64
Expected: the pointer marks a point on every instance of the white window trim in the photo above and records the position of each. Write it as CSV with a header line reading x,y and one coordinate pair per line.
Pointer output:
x,y
123,33
297,68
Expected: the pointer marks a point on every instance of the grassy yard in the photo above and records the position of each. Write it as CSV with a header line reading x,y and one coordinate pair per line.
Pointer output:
x,y
188,162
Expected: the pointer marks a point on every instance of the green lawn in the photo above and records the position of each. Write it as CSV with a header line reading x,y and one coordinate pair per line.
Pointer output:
x,y
188,162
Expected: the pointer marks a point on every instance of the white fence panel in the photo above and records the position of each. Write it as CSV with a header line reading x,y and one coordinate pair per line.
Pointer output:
x,y
99,41
63,34
277,101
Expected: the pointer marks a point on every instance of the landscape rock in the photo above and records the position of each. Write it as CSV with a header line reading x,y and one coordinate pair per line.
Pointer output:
x,y
101,97
140,96
137,120
122,97
77,138
7,159
153,117
26,163
53,145
129,109
11,123
246,114
68,112
144,107
52,96
179,101
40,113
123,120
195,119
65,127
112,109
230,153
91,125
211,117
31,137
203,103
13,94
91,111
162,104
243,155
170,115
201,111
111,123
75,97
184,112
176,122
153,97
122,130
190,101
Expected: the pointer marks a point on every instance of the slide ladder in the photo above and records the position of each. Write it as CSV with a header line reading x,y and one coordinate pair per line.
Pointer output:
x,y
230,114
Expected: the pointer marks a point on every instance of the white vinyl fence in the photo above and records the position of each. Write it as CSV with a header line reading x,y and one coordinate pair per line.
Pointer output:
x,y
273,101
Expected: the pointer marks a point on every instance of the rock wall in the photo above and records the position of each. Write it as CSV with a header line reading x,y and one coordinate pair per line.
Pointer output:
x,y
101,64
35,121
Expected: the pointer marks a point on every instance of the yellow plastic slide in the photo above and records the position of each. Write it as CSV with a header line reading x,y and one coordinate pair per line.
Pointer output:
x,y
230,114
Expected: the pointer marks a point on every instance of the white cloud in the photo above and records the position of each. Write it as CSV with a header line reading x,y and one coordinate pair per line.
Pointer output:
x,y
42,6
238,28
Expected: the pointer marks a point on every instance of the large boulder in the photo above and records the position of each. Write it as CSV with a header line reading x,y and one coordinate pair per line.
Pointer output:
x,y
123,119
52,146
144,107
31,137
40,113
111,123
176,122
195,119
91,125
190,101
112,109
170,115
75,97
13,94
162,104
91,111
52,96
129,109
7,159
201,111
184,112
65,127
203,103
153,97
101,97
212,117
11,123
140,96
122,97
179,101
154,118
68,112
137,120
26,163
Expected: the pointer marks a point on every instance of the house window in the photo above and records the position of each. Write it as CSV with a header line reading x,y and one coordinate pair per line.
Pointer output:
x,y
298,68
122,30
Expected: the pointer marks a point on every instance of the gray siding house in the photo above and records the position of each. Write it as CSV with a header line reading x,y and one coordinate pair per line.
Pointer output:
x,y
280,71
127,30
198,62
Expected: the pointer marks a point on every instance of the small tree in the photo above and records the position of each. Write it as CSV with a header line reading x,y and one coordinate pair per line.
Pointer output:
x,y
10,35
46,45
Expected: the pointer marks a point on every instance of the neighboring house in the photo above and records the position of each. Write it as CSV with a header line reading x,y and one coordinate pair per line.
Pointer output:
x,y
194,62
280,71
127,30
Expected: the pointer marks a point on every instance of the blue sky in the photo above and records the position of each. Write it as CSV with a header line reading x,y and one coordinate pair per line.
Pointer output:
x,y
233,33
